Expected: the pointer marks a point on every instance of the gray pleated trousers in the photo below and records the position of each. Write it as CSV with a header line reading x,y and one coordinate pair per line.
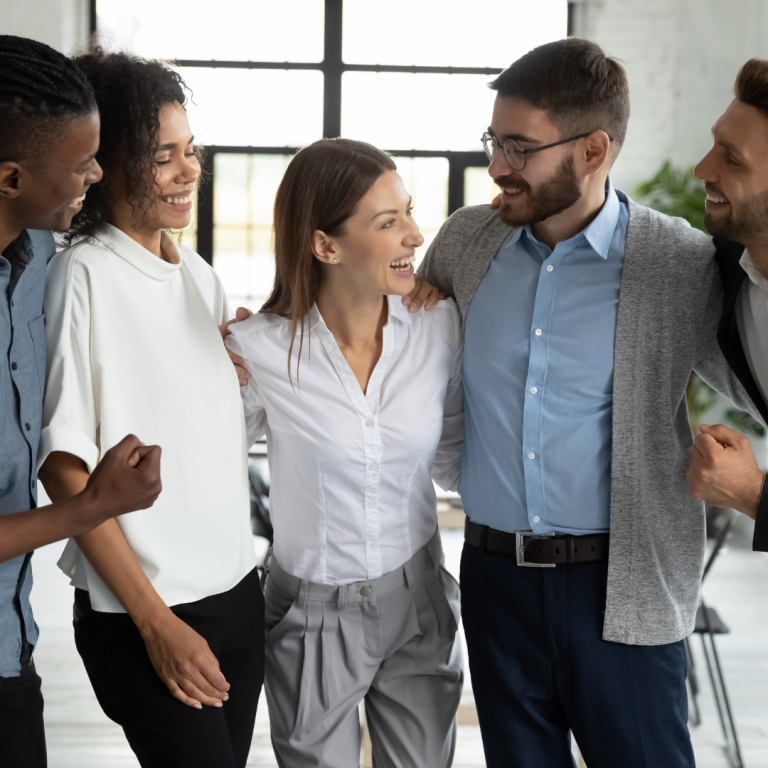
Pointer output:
x,y
390,642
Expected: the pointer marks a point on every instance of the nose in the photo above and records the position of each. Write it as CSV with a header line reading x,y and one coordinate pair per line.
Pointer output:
x,y
190,170
95,173
414,238
499,165
704,169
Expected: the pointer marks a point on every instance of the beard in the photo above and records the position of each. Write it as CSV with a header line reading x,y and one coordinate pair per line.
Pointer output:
x,y
553,196
744,223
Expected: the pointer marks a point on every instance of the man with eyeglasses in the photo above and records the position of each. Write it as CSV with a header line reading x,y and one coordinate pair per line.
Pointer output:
x,y
585,314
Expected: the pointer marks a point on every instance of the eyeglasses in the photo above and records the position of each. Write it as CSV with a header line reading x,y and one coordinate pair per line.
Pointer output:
x,y
514,154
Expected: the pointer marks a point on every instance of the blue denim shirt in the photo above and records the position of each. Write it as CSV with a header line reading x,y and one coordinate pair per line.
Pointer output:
x,y
538,380
22,380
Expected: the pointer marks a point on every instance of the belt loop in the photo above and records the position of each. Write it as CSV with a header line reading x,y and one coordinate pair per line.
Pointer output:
x,y
483,539
410,578
342,599
303,593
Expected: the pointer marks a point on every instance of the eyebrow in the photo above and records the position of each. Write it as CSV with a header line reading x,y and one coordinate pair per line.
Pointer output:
x,y
392,210
515,136
173,145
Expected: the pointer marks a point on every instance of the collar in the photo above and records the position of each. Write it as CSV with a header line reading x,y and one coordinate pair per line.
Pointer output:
x,y
753,273
395,309
136,255
599,233
21,248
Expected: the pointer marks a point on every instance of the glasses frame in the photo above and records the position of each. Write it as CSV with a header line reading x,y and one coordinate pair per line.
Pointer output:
x,y
492,140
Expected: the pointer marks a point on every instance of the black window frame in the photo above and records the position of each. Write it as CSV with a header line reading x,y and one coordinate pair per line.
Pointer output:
x,y
333,67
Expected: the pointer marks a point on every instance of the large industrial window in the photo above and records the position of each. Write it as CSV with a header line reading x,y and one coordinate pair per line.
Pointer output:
x,y
267,77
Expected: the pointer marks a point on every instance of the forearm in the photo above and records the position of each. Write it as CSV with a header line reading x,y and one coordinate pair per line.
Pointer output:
x,y
26,531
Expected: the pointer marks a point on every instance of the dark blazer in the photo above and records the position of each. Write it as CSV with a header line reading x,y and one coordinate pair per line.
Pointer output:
x,y
727,257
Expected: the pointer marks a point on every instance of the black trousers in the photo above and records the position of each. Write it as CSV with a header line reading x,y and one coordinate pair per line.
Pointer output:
x,y
540,668
163,732
22,735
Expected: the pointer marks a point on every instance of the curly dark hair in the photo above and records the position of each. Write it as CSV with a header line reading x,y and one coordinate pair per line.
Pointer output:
x,y
41,92
130,93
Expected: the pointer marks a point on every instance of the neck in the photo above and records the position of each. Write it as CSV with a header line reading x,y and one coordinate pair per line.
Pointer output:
x,y
8,232
575,219
146,238
758,252
354,316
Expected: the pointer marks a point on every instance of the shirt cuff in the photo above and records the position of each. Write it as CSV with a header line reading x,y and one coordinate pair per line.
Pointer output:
x,y
760,539
68,440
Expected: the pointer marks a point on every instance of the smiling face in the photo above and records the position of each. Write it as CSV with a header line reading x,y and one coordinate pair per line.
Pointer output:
x,y
47,193
548,184
377,246
735,175
176,171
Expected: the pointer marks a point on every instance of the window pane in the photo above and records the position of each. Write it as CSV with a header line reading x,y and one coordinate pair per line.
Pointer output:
x,y
403,111
242,30
448,34
244,193
262,108
478,186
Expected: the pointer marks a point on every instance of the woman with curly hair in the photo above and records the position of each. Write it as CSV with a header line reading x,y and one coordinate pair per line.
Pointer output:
x,y
168,606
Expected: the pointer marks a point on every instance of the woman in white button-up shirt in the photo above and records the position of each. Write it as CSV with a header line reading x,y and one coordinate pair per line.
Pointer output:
x,y
361,404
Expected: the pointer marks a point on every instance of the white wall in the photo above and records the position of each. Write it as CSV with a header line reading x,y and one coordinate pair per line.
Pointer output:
x,y
62,24
681,57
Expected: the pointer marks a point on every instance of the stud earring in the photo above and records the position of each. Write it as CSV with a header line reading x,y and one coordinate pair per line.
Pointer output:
x,y
334,261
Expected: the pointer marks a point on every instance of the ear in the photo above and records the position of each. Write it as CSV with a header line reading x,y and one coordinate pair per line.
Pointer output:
x,y
10,179
597,151
325,248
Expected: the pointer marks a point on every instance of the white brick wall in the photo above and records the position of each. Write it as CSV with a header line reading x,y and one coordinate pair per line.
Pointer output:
x,y
681,57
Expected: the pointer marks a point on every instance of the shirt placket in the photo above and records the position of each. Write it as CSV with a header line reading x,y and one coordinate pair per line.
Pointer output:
x,y
368,409
535,389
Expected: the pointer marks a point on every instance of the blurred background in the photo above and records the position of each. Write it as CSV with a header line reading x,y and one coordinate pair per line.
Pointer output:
x,y
410,76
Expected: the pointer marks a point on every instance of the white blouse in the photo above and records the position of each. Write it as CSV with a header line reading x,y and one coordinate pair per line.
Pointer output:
x,y
133,346
351,496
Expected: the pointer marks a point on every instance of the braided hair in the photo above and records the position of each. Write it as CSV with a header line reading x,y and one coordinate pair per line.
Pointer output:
x,y
41,91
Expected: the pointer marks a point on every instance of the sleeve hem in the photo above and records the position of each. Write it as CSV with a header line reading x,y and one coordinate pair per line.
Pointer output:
x,y
68,440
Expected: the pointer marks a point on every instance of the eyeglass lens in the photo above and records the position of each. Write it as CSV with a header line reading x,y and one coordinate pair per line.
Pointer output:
x,y
513,152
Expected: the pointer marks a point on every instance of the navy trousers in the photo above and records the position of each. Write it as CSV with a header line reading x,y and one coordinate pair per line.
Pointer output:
x,y
540,669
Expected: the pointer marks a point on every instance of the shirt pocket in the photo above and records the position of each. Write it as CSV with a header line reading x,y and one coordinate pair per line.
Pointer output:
x,y
37,332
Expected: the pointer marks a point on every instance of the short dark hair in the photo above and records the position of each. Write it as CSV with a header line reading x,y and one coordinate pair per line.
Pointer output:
x,y
130,92
579,87
751,85
41,91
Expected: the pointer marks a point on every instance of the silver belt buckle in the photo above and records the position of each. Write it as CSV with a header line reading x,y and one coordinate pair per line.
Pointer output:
x,y
520,548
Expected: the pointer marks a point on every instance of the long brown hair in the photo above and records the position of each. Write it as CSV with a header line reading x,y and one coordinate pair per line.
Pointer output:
x,y
320,190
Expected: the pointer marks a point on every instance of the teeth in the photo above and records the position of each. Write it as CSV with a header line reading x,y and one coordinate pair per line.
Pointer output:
x,y
713,199
78,200
178,200
403,263
511,191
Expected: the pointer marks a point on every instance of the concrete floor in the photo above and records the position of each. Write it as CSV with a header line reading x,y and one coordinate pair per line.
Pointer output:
x,y
80,735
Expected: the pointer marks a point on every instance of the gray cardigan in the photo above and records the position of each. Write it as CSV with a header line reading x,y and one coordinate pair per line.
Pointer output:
x,y
670,303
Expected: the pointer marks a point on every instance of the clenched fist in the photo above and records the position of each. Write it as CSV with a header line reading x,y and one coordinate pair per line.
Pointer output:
x,y
723,470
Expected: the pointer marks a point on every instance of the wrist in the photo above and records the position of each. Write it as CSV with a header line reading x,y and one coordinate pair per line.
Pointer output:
x,y
85,510
150,617
750,499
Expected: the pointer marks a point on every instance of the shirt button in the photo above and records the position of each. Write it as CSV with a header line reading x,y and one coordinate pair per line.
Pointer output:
x,y
365,591
534,390
538,331
369,423
536,519
373,465
374,545
550,268
28,426
14,366
531,455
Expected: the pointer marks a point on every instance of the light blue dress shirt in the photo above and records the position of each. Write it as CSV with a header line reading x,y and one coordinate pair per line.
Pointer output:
x,y
22,380
538,380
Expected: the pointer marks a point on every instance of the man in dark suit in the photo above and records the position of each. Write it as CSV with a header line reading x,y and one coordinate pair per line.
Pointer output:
x,y
723,469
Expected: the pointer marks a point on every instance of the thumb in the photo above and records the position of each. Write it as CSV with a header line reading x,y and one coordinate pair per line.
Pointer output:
x,y
496,203
721,433
147,455
242,313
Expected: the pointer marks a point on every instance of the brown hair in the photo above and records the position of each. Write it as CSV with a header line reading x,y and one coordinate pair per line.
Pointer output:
x,y
579,87
320,190
751,85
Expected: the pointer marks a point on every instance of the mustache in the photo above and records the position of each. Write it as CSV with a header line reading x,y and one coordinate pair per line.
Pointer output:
x,y
511,181
713,190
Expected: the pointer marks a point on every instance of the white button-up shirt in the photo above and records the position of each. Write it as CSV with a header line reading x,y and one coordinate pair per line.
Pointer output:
x,y
752,322
352,495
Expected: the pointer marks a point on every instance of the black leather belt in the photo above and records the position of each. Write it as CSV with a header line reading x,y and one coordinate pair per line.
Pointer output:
x,y
539,551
